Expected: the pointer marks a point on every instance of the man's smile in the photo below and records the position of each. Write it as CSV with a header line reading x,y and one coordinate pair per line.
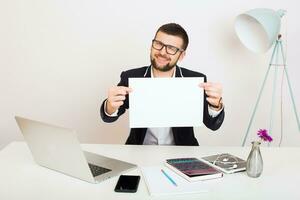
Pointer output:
x,y
162,60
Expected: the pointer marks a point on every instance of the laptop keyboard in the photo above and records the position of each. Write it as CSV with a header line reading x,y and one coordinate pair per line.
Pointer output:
x,y
96,170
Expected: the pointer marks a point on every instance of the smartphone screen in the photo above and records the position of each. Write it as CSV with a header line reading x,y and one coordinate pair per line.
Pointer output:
x,y
127,183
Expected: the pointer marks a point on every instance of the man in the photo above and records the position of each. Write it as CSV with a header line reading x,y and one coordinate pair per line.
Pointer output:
x,y
168,47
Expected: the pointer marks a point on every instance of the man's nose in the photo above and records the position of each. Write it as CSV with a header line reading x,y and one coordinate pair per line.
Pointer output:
x,y
163,51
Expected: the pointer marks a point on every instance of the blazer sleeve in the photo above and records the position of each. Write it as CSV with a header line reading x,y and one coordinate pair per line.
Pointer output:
x,y
122,109
213,123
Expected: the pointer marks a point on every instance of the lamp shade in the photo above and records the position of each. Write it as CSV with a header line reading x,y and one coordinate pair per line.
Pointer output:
x,y
258,28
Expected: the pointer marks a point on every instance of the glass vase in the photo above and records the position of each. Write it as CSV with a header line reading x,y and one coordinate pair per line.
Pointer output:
x,y
254,161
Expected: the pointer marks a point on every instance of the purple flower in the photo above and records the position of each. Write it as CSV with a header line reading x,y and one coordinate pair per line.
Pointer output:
x,y
263,134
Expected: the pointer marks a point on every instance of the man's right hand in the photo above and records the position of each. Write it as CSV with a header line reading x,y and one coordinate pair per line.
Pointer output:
x,y
116,97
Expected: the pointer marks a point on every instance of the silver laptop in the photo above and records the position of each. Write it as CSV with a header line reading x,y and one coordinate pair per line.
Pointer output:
x,y
57,148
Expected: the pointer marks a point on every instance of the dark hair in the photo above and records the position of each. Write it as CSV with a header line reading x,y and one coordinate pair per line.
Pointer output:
x,y
176,30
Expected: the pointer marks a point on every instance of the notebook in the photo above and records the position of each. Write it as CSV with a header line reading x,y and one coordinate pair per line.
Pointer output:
x,y
158,184
193,169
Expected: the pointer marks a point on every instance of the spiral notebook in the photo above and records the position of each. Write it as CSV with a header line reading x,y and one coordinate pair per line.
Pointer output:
x,y
193,169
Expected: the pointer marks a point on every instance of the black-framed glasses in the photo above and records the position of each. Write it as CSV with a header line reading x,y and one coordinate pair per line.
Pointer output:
x,y
158,45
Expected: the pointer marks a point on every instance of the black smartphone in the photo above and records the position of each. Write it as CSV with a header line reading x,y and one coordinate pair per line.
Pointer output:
x,y
127,183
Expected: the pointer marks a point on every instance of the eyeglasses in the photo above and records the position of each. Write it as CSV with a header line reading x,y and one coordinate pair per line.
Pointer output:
x,y
158,45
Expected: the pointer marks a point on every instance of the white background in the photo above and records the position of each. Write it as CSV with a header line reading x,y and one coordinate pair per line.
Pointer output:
x,y
58,58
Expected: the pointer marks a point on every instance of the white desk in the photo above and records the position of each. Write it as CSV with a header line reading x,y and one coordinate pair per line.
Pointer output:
x,y
21,178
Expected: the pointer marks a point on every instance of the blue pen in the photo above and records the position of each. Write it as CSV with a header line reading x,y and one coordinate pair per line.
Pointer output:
x,y
170,179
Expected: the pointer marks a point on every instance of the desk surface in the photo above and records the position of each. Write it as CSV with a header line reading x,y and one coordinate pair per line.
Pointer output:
x,y
22,178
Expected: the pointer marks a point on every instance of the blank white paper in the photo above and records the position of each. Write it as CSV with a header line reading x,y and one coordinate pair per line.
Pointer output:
x,y
158,184
165,102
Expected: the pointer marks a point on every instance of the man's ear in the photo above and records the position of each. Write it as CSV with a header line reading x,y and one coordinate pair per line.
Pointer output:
x,y
181,56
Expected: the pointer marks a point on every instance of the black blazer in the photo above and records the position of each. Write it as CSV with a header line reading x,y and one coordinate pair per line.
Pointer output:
x,y
182,135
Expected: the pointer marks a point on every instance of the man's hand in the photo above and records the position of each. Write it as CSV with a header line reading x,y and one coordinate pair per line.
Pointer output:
x,y
214,94
116,97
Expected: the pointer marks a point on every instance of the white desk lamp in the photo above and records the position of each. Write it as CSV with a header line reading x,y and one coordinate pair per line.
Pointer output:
x,y
258,30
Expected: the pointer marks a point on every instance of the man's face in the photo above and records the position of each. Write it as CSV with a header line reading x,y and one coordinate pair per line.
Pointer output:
x,y
161,59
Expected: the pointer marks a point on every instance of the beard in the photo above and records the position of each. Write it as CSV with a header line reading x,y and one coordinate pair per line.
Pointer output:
x,y
164,68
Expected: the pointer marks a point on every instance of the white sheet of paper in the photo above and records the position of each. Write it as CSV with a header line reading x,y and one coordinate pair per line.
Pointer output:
x,y
165,102
158,184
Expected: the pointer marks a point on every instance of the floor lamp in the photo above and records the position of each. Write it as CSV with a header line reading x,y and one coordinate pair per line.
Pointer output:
x,y
258,30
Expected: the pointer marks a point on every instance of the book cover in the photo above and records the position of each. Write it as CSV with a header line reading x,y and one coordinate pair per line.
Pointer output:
x,y
226,162
193,169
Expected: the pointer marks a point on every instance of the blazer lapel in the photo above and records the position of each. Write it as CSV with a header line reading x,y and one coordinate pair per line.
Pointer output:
x,y
148,72
178,72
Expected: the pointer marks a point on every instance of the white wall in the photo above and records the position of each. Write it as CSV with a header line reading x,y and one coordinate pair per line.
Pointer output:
x,y
58,58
